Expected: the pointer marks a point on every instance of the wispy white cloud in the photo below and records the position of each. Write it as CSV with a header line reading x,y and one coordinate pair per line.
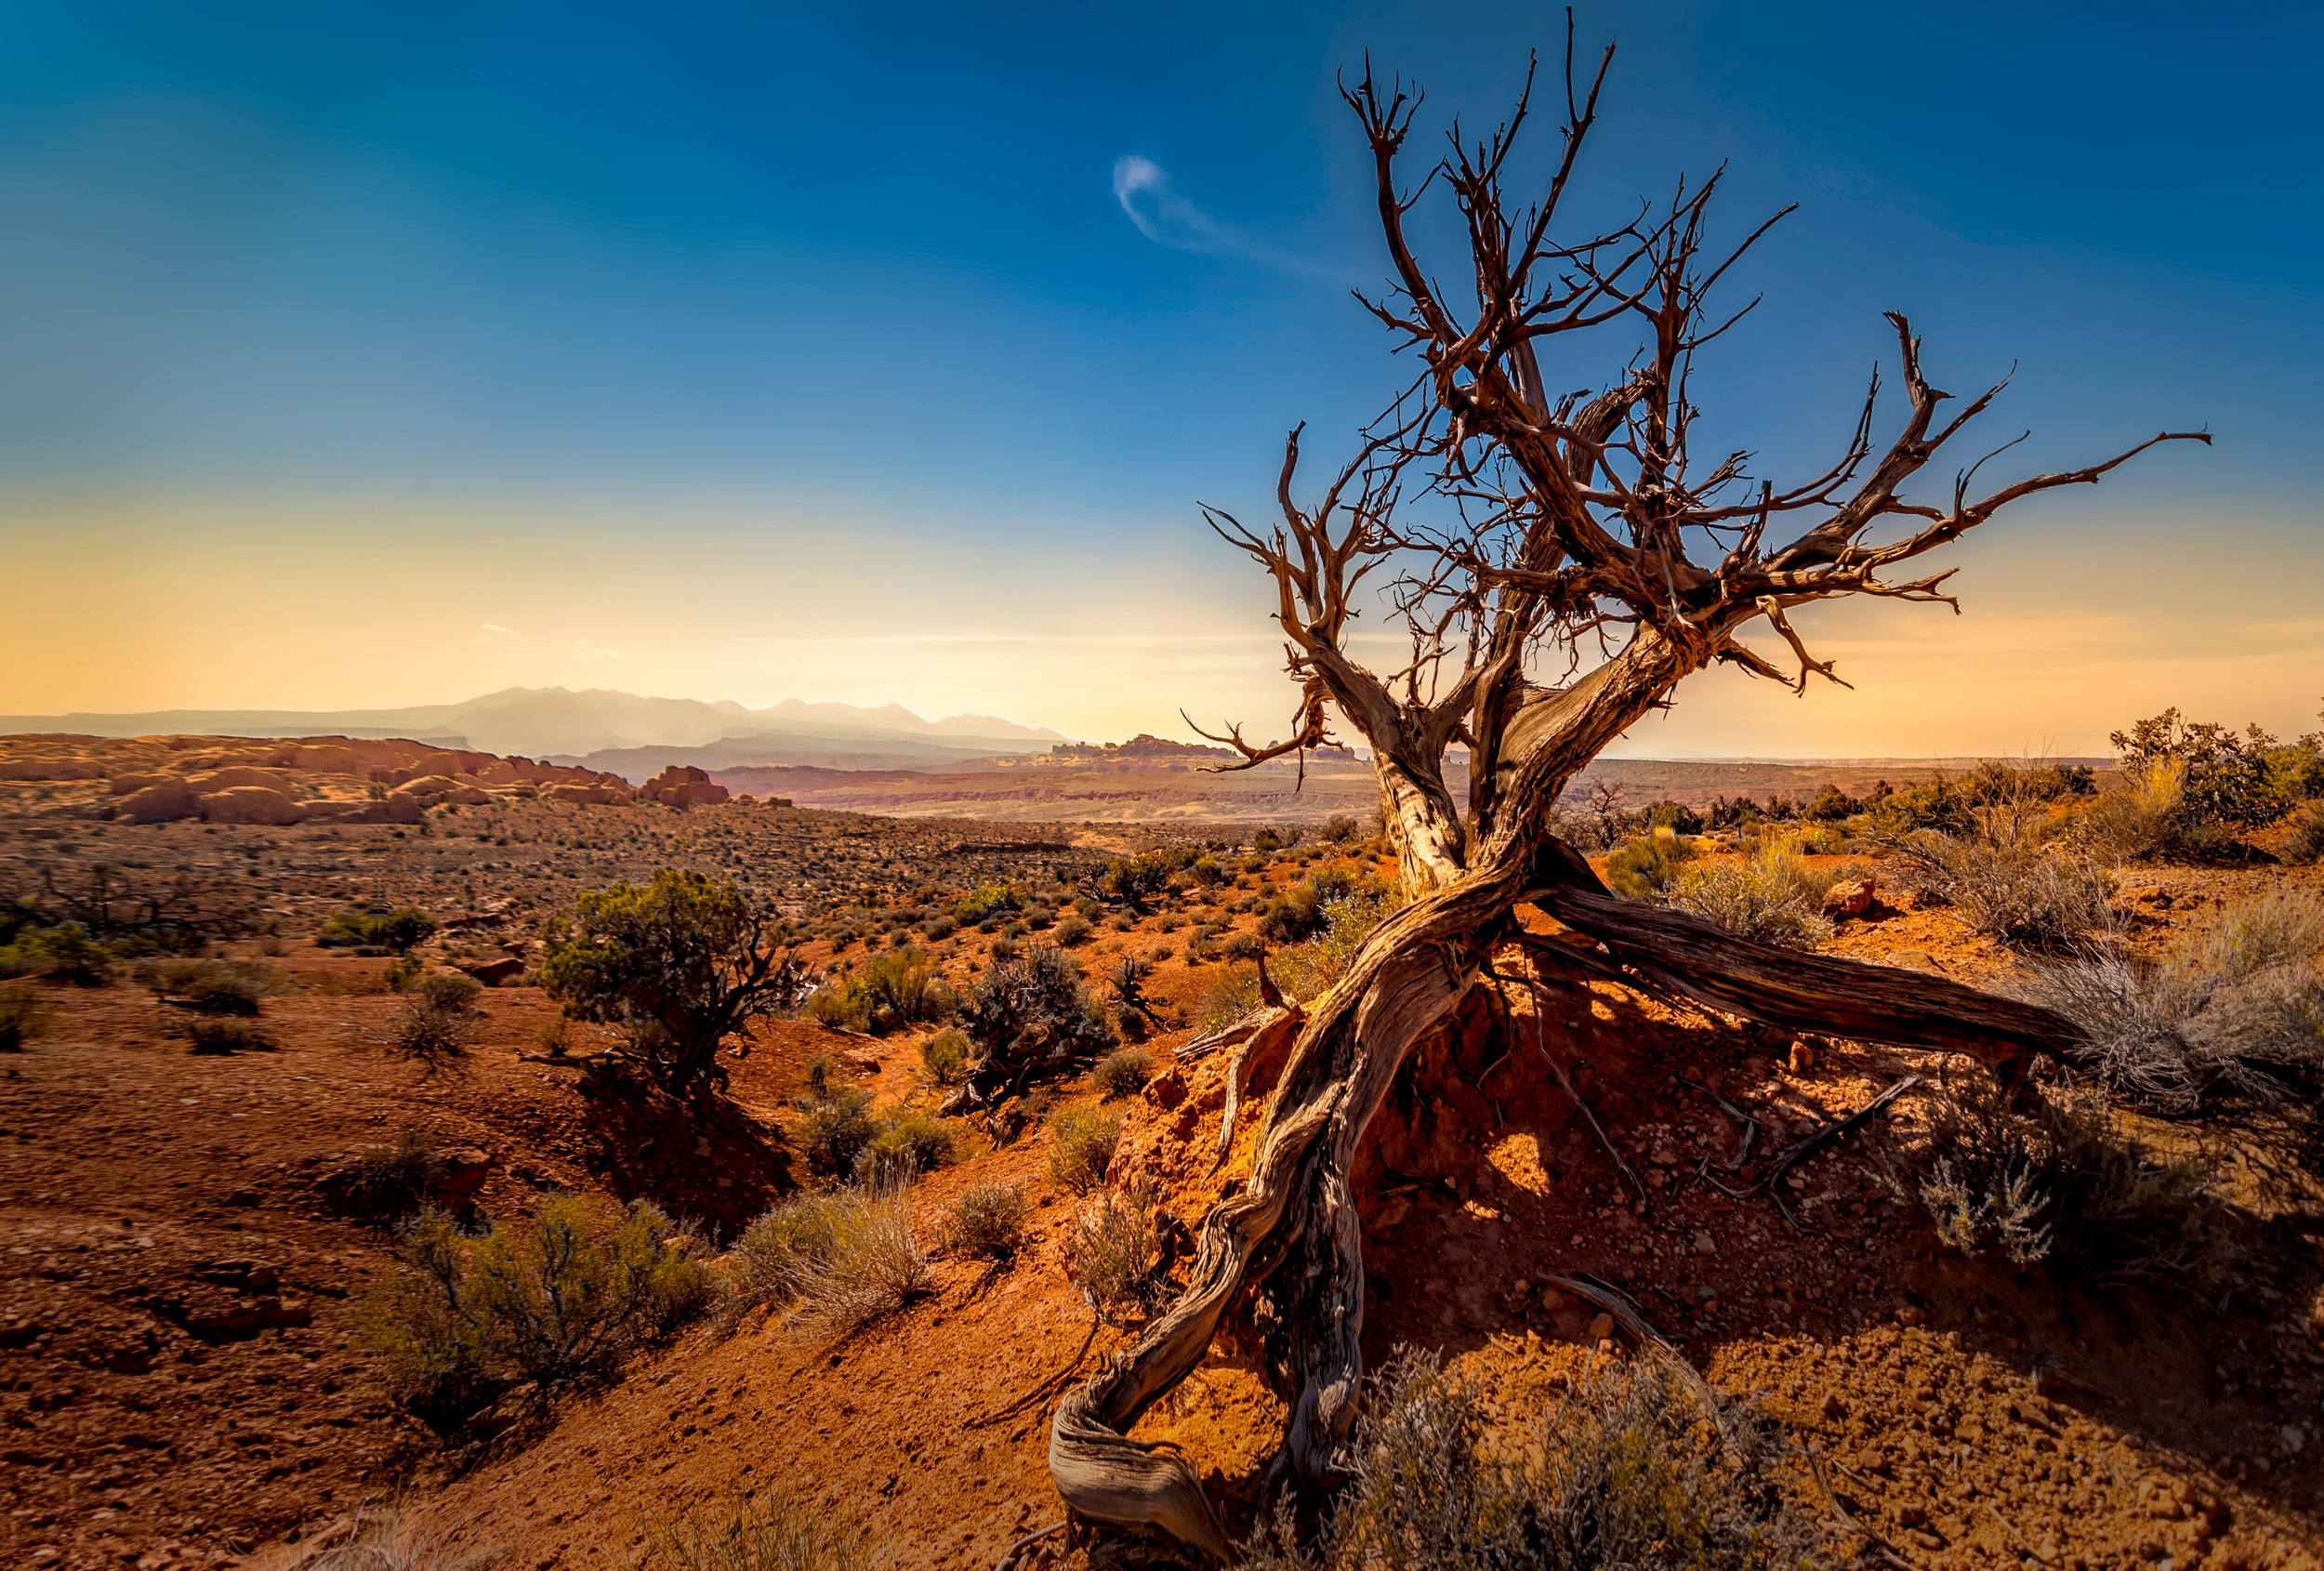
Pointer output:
x,y
493,633
1165,216
590,649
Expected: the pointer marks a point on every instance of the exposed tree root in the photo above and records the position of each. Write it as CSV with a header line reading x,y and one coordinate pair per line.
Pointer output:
x,y
1294,1231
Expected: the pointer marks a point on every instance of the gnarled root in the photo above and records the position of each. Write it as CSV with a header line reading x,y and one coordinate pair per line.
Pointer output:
x,y
1295,1229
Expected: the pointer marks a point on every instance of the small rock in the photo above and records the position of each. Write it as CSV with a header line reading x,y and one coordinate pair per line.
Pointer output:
x,y
1705,1244
1167,1090
1601,1329
1911,1315
1852,897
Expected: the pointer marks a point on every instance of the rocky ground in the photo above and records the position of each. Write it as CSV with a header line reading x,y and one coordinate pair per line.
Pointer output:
x,y
177,1384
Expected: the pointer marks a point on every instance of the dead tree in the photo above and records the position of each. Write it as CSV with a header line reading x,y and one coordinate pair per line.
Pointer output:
x,y
1562,561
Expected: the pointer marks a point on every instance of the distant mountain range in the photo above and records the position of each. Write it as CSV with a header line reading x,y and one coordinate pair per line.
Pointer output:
x,y
558,722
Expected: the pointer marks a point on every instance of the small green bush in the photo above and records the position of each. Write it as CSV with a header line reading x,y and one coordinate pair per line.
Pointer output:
x,y
1123,1073
946,1056
987,1221
905,1144
1081,1147
1771,895
24,1016
392,1181
559,1303
65,953
219,1037
889,991
212,987
838,1126
989,900
1648,866
400,930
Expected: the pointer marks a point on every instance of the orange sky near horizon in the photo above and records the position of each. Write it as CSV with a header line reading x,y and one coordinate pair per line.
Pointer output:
x,y
2070,630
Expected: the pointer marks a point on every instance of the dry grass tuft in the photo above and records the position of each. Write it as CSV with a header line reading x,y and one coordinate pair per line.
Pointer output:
x,y
2056,1179
987,1221
844,1259
2232,1009
774,1532
1081,1147
1640,1466
1115,1254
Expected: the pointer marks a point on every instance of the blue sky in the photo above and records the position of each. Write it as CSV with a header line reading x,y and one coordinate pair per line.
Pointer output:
x,y
749,351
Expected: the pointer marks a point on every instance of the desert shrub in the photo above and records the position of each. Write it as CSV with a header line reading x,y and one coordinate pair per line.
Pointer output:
x,y
2136,817
987,1221
64,952
838,1126
904,1143
212,987
1114,1254
1641,1465
1135,881
987,901
219,1037
1232,994
24,1016
1034,1006
2229,781
1123,1073
2305,845
558,1302
390,1180
938,927
2010,877
1648,866
946,1055
1070,931
683,964
419,1029
844,1259
398,931
1771,895
1340,829
447,990
1304,909
1081,1147
770,1532
2052,1177
891,990
2231,1009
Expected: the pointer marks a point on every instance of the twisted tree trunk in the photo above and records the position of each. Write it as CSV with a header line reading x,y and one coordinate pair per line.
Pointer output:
x,y
1294,1229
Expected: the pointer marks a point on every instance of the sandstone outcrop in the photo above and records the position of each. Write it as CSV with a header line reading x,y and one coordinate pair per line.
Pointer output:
x,y
683,786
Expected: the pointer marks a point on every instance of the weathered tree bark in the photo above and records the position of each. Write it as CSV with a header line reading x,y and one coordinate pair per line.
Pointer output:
x,y
1561,527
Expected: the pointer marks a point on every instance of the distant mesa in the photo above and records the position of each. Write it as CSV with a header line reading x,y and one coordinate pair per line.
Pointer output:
x,y
335,779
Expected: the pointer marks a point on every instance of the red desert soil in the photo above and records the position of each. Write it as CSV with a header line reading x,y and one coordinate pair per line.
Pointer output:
x,y
177,1385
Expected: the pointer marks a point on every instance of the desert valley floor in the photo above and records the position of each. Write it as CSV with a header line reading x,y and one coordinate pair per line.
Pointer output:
x,y
180,1384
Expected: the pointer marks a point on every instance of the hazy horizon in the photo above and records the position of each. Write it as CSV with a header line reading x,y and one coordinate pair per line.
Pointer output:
x,y
361,357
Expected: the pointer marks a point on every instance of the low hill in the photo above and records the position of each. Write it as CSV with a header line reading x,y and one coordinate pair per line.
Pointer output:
x,y
542,720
